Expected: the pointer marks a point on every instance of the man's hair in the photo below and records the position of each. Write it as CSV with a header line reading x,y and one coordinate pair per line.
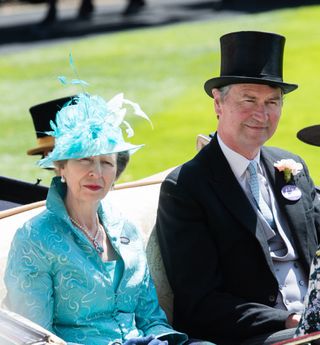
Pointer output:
x,y
225,89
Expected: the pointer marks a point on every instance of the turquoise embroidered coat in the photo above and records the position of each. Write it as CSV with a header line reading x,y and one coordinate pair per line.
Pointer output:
x,y
55,278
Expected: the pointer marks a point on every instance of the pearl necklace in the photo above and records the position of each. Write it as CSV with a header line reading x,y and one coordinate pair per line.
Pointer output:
x,y
94,238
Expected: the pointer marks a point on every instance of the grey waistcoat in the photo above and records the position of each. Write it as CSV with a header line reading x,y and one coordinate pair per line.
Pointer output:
x,y
287,268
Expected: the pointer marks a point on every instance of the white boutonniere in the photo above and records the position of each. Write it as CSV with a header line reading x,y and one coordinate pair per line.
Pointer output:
x,y
290,168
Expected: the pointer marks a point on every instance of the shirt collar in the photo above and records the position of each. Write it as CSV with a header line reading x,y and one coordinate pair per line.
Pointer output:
x,y
237,162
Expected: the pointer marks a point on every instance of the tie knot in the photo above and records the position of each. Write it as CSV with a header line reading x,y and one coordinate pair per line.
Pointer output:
x,y
252,168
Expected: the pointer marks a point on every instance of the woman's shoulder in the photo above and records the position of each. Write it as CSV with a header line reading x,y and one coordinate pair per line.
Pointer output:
x,y
38,226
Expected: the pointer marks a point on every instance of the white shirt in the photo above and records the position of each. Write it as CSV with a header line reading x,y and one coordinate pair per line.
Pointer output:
x,y
237,162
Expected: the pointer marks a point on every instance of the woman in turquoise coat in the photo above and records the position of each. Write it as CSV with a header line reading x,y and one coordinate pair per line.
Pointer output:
x,y
79,268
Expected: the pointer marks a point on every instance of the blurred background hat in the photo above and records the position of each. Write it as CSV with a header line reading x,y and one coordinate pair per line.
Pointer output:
x,y
250,57
310,135
41,115
89,127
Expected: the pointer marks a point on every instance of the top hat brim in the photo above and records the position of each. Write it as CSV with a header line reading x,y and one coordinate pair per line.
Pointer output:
x,y
310,135
45,144
228,80
39,150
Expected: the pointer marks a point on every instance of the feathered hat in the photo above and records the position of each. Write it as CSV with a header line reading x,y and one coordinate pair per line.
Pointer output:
x,y
89,126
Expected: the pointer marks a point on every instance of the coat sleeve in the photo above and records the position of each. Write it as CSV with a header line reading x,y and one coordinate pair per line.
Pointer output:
x,y
150,318
28,281
202,308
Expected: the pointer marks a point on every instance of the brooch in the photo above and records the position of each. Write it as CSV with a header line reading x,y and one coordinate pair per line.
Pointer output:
x,y
124,240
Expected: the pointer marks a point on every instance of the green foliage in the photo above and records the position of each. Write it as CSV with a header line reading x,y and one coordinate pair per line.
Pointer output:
x,y
163,69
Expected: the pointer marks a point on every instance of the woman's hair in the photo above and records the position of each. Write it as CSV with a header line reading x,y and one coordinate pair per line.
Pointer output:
x,y
122,161
58,165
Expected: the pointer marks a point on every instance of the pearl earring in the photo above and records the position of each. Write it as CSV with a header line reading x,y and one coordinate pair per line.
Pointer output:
x,y
63,179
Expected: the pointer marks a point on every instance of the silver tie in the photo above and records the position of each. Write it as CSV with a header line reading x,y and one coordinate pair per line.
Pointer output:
x,y
255,190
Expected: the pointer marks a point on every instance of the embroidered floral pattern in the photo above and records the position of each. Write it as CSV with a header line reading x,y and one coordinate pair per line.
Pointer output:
x,y
310,319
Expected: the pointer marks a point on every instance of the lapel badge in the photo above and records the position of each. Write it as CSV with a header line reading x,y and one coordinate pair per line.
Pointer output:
x,y
291,192
124,240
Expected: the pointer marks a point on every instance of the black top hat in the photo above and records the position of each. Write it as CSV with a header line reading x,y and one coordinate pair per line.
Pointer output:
x,y
310,135
250,57
42,114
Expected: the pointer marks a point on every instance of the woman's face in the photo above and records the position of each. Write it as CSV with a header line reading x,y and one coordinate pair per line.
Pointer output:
x,y
89,179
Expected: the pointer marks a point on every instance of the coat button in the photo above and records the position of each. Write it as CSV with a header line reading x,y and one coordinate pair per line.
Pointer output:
x,y
272,298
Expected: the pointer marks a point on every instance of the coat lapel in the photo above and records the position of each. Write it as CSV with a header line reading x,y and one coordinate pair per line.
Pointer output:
x,y
121,234
113,223
232,195
292,210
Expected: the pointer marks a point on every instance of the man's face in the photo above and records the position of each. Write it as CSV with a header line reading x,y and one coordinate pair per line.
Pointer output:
x,y
248,116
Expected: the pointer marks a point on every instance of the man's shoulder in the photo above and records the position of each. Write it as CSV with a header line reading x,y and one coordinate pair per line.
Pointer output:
x,y
279,153
186,171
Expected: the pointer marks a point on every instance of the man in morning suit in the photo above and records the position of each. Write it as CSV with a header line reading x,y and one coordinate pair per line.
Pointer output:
x,y
236,233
